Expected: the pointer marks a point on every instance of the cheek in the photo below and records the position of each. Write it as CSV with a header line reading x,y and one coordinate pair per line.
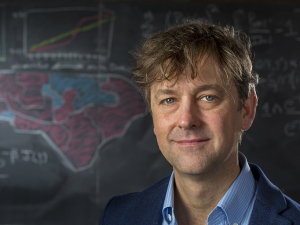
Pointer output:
x,y
160,125
163,127
161,135
223,123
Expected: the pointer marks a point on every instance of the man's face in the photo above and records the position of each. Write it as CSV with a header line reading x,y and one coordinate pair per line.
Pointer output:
x,y
197,123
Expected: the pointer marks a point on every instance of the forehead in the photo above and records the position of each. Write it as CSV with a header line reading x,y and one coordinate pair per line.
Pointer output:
x,y
206,74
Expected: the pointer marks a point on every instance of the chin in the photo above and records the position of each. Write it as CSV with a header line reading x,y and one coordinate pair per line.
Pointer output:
x,y
191,170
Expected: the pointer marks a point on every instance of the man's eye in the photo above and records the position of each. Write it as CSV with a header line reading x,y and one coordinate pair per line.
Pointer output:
x,y
169,101
208,98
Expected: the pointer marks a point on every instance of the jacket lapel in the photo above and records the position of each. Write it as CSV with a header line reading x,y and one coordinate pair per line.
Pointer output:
x,y
269,203
151,204
263,214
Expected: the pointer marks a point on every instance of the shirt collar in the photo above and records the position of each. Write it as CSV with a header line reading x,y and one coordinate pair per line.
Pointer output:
x,y
234,203
240,194
168,206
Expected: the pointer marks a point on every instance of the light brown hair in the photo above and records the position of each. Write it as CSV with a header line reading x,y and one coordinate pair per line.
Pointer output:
x,y
167,54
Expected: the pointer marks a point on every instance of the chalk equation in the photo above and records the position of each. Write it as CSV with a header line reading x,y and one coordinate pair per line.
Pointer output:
x,y
148,27
26,155
262,31
14,156
276,65
292,128
289,107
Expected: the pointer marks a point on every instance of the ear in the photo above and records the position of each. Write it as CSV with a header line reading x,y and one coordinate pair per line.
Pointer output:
x,y
154,131
249,110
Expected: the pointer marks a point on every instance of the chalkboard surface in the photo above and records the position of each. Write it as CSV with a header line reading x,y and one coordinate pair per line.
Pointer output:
x,y
74,130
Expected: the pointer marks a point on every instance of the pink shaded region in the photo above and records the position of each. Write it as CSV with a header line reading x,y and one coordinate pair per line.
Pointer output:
x,y
63,112
113,119
8,86
84,140
33,84
23,95
76,133
57,134
42,114
32,79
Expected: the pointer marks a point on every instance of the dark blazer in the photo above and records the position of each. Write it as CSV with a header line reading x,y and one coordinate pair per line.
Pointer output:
x,y
145,208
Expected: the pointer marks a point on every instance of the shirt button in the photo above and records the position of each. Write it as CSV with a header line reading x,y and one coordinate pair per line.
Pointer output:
x,y
235,224
169,217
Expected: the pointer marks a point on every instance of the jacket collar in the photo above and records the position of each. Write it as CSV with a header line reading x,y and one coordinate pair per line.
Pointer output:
x,y
269,202
154,197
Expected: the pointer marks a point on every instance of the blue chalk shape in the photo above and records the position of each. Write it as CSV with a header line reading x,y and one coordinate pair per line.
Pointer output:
x,y
7,114
56,98
87,90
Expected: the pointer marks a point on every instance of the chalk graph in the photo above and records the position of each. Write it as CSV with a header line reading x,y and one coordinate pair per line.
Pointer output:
x,y
71,33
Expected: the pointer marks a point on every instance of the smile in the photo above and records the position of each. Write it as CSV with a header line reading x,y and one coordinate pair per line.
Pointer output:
x,y
192,142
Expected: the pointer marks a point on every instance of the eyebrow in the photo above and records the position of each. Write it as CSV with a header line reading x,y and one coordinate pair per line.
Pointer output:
x,y
198,89
214,87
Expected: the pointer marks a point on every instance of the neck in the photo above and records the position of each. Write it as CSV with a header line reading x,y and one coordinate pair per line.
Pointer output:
x,y
195,196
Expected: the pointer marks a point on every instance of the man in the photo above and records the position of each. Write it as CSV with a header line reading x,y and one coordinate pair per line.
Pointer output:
x,y
198,81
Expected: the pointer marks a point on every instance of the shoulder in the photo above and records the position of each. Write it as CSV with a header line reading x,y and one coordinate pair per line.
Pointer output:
x,y
271,202
293,209
138,198
133,207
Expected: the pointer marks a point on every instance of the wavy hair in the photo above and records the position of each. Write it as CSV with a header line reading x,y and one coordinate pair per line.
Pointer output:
x,y
167,54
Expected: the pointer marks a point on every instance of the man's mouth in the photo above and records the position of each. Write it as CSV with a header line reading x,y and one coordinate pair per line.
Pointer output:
x,y
191,142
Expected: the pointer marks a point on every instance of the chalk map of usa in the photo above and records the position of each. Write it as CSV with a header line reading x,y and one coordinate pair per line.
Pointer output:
x,y
76,115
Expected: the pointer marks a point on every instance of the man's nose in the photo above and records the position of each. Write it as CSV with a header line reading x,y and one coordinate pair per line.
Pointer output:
x,y
189,115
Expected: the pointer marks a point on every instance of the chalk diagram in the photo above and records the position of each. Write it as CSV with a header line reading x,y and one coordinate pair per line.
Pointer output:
x,y
68,34
76,115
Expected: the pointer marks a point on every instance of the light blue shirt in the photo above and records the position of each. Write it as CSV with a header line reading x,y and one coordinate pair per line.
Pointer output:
x,y
234,208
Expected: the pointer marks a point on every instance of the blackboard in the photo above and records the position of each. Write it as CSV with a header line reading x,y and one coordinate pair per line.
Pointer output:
x,y
75,131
